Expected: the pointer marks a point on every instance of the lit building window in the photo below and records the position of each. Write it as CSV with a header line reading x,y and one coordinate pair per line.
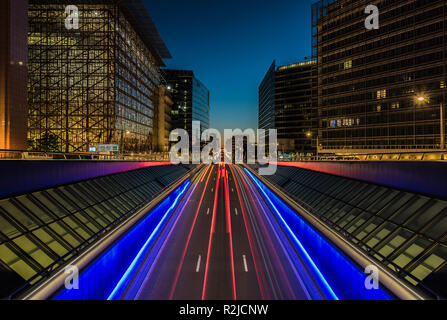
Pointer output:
x,y
381,94
395,105
348,64
345,122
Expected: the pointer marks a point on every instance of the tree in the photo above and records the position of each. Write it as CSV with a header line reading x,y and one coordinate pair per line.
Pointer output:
x,y
49,142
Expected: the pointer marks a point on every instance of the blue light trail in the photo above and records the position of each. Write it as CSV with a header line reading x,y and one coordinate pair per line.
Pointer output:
x,y
107,275
338,276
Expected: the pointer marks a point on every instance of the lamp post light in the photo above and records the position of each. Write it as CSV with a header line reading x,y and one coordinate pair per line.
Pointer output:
x,y
309,135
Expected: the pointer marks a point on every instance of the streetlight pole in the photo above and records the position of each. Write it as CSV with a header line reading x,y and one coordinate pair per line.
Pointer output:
x,y
442,126
318,145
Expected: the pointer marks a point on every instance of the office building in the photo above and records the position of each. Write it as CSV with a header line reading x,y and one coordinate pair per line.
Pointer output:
x,y
13,74
287,103
97,82
266,100
380,90
191,100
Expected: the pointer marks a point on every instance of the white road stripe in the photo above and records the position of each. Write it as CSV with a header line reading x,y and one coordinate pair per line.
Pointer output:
x,y
212,190
232,190
235,211
198,263
245,263
208,211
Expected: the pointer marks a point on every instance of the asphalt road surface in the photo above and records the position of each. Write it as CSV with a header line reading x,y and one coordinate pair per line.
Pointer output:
x,y
222,242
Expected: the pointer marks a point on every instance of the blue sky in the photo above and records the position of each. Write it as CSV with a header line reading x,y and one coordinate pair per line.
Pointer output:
x,y
230,45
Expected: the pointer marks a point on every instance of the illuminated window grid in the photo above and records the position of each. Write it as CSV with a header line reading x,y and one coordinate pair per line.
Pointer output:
x,y
82,68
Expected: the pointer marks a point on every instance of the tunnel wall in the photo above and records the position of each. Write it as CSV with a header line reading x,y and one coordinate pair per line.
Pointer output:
x,y
22,176
428,178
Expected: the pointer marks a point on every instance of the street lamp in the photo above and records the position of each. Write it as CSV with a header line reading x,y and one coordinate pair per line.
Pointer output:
x,y
421,99
309,135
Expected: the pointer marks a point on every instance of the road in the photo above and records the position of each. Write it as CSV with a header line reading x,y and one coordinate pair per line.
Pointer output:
x,y
222,242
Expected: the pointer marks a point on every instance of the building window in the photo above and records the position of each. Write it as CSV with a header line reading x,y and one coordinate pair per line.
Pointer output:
x,y
344,122
348,64
381,94
395,105
408,77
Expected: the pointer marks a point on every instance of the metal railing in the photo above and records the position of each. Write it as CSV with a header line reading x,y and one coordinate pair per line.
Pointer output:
x,y
415,147
384,156
165,156
41,155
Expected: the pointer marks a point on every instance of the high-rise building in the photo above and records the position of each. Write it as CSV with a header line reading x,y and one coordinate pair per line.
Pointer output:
x,y
287,103
95,82
380,90
13,73
266,100
191,100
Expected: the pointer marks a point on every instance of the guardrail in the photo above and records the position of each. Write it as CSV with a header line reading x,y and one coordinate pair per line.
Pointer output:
x,y
164,156
37,155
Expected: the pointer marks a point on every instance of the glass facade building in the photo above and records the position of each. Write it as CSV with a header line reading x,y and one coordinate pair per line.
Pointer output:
x,y
287,103
96,84
380,90
191,100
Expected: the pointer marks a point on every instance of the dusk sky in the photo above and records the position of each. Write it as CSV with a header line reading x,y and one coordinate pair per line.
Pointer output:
x,y
230,45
